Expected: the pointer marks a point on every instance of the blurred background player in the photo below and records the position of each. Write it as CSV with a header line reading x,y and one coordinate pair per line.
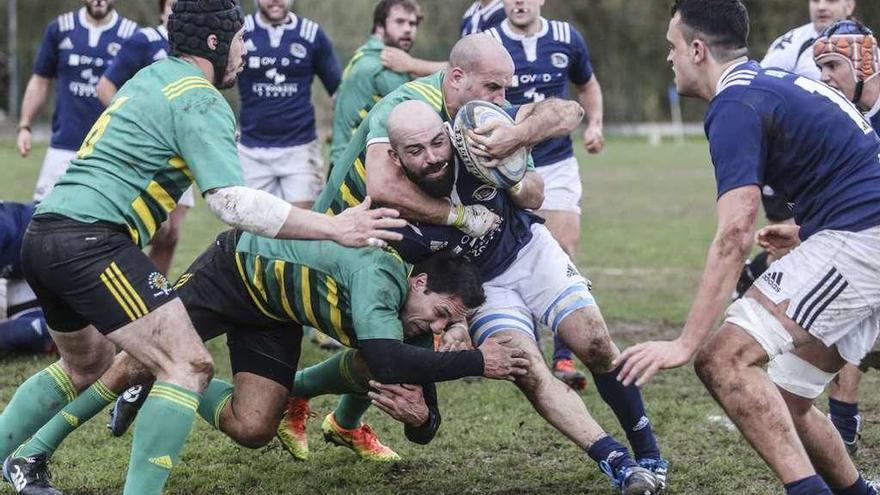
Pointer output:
x,y
24,328
482,15
792,52
847,56
76,49
279,148
548,55
146,46
365,81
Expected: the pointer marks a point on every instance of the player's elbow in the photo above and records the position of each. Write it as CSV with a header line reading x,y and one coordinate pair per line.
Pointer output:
x,y
735,239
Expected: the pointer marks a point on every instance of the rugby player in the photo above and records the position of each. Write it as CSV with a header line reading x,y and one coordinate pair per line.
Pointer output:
x,y
76,49
146,46
365,81
815,308
82,251
260,292
24,328
481,16
547,56
279,148
847,56
482,69
792,52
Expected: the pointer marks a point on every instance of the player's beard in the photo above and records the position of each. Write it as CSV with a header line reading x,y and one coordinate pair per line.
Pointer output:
x,y
99,14
404,44
439,187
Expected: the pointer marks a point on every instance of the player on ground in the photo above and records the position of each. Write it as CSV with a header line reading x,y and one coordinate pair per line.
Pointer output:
x,y
24,329
792,52
847,56
548,55
814,309
365,81
259,292
482,69
146,46
76,49
279,148
82,251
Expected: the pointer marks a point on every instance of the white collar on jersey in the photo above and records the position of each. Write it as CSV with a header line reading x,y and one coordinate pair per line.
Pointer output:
x,y
95,32
721,85
508,31
163,31
258,19
874,110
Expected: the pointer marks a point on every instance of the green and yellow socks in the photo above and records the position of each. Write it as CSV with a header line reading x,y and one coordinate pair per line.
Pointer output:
x,y
35,402
161,429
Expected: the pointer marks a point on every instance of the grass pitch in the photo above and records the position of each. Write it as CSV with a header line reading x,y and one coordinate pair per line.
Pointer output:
x,y
648,219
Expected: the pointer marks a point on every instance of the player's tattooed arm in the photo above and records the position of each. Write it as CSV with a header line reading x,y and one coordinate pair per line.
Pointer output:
x,y
590,98
737,211
529,192
35,95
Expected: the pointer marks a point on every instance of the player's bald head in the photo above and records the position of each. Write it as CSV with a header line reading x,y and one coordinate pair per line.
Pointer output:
x,y
410,118
480,52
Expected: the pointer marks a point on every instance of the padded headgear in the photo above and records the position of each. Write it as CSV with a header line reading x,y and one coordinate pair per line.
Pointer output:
x,y
192,21
856,44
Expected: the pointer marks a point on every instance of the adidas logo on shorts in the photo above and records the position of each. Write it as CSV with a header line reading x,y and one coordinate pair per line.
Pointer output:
x,y
774,280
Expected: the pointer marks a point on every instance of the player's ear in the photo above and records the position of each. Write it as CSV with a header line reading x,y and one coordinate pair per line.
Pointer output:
x,y
699,50
419,282
211,41
394,156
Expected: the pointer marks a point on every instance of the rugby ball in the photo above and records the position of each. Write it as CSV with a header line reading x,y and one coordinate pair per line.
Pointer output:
x,y
476,114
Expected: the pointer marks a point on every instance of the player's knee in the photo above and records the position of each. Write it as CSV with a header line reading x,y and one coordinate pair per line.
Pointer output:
x,y
536,376
201,368
87,371
708,363
255,431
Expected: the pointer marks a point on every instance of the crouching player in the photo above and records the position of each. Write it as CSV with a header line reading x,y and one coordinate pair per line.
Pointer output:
x,y
259,292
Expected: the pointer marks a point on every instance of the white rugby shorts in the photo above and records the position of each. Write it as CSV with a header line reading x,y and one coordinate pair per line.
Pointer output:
x,y
55,164
562,186
294,174
832,281
542,285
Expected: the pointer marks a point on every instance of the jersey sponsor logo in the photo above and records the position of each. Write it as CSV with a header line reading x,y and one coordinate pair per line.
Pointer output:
x,y
275,76
485,193
66,44
525,79
113,48
89,75
559,60
298,50
75,60
159,283
438,246
267,90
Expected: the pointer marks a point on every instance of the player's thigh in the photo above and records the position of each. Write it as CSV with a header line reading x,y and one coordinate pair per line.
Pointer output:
x,y
55,164
503,312
301,172
562,186
565,226
257,404
268,352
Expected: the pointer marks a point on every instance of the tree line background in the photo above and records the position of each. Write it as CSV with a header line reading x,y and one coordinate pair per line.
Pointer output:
x,y
626,39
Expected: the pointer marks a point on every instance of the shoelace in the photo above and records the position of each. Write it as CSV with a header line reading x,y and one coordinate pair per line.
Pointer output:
x,y
368,437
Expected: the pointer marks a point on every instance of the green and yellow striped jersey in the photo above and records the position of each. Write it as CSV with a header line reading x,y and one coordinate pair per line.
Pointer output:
x,y
349,294
364,82
346,186
167,127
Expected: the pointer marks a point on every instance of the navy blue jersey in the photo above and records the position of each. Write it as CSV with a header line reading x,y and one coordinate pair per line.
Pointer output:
x,y
145,47
874,117
492,253
276,84
800,137
478,18
545,63
14,219
77,54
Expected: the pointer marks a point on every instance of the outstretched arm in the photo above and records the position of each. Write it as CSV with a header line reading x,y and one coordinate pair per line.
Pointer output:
x,y
398,60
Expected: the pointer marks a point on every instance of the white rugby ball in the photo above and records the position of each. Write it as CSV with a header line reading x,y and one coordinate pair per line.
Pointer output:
x,y
476,114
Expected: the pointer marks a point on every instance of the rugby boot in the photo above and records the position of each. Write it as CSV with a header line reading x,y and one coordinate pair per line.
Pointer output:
x,y
660,468
852,448
29,475
565,370
126,407
292,429
632,480
362,440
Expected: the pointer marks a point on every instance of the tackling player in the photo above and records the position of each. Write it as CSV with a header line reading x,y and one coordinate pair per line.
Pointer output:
x,y
365,81
814,309
279,148
547,56
146,46
76,49
82,251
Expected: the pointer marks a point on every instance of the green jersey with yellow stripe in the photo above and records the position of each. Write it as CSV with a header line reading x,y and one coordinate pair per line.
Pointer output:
x,y
364,82
167,127
347,293
346,186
